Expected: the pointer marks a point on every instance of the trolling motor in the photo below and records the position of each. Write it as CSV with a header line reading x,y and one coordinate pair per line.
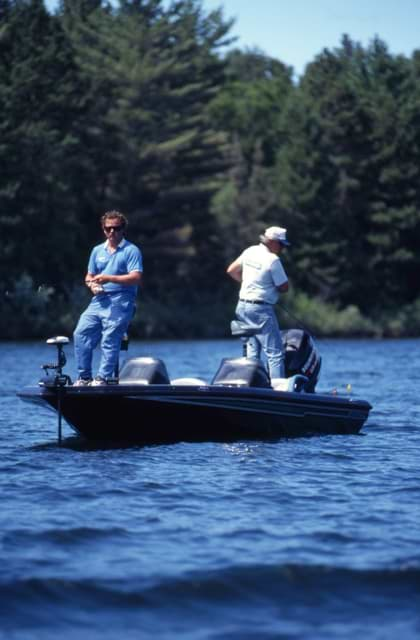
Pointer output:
x,y
60,379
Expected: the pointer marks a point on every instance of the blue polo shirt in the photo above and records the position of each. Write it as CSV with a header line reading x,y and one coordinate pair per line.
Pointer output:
x,y
125,259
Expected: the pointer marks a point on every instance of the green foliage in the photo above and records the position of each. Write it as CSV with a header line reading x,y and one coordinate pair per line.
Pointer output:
x,y
401,322
249,108
132,106
197,316
25,309
37,145
250,105
326,319
33,310
150,74
348,178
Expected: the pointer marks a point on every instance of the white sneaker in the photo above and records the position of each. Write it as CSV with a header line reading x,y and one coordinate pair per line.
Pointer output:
x,y
98,382
82,382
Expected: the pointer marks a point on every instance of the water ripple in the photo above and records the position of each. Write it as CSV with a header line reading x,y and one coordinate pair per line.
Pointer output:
x,y
314,538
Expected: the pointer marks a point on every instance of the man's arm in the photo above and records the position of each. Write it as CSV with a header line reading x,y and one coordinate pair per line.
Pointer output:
x,y
234,270
127,279
283,288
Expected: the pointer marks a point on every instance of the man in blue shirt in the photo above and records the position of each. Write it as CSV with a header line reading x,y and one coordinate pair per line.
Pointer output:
x,y
114,273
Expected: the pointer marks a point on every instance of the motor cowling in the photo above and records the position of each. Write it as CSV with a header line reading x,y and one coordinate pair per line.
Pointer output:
x,y
301,357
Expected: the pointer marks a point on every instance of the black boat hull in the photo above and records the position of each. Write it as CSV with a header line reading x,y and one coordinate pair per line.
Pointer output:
x,y
156,414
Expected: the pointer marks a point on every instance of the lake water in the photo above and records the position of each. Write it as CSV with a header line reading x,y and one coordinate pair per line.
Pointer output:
x,y
312,538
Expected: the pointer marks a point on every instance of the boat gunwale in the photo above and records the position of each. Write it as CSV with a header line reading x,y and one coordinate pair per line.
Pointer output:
x,y
134,391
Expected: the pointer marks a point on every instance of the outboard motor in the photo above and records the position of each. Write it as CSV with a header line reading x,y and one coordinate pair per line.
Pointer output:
x,y
301,357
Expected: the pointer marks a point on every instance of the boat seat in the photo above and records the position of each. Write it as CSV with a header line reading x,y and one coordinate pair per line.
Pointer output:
x,y
294,383
189,382
242,329
144,370
241,372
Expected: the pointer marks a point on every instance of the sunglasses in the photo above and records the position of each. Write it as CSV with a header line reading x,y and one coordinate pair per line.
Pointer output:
x,y
117,228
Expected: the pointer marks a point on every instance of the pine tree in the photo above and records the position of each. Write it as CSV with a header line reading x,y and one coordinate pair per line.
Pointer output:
x,y
150,73
346,177
36,81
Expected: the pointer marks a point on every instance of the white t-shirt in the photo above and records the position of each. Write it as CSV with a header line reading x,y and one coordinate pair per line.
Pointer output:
x,y
262,273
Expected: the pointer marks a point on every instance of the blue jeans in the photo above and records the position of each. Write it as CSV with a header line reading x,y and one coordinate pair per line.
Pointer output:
x,y
106,319
268,340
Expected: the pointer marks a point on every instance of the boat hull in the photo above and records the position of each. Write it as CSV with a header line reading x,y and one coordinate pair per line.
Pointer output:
x,y
156,414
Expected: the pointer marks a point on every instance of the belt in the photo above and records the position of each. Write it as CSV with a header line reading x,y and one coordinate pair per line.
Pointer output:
x,y
253,301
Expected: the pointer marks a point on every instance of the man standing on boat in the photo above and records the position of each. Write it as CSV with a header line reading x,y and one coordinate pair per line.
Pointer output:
x,y
114,273
262,278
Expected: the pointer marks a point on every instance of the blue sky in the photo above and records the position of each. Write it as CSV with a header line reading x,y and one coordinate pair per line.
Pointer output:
x,y
295,31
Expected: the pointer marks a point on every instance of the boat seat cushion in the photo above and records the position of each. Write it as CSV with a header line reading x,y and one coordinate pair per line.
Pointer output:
x,y
294,383
189,382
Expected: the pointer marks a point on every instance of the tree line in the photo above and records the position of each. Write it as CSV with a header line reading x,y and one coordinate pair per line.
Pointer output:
x,y
138,107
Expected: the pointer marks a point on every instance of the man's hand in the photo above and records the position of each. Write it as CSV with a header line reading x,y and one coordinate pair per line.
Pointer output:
x,y
100,279
94,286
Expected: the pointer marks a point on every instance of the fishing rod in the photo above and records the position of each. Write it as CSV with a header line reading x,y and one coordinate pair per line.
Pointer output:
x,y
300,324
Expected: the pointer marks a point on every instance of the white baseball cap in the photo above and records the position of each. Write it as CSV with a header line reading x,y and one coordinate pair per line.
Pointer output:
x,y
276,233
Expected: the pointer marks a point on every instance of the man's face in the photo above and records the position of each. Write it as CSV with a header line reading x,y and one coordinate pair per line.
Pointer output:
x,y
113,229
276,247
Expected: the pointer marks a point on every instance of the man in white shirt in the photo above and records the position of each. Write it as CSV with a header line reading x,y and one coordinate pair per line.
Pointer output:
x,y
262,278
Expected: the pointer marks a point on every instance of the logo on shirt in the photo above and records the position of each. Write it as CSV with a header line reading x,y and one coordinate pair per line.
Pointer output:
x,y
251,263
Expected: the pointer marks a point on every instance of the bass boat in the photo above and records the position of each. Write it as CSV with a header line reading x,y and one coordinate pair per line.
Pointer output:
x,y
143,405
